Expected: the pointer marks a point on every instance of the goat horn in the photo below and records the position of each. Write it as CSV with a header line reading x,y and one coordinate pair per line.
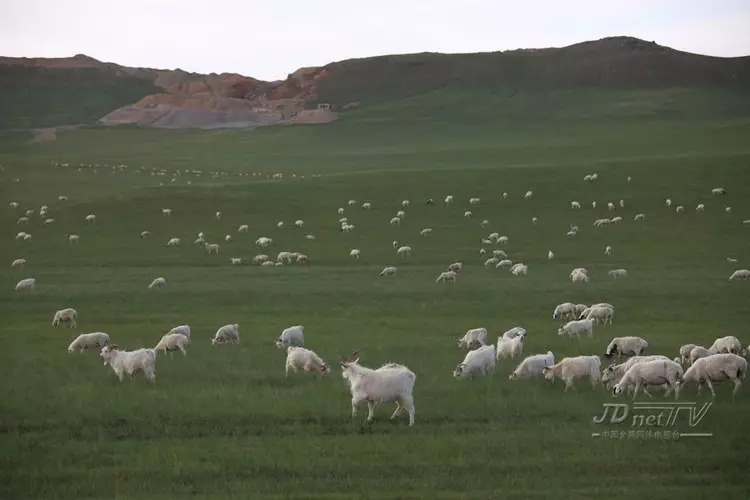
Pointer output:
x,y
351,357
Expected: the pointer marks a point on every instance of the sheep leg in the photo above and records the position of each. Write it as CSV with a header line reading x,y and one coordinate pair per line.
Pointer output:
x,y
182,348
569,384
371,410
737,384
355,403
594,382
710,386
635,390
398,409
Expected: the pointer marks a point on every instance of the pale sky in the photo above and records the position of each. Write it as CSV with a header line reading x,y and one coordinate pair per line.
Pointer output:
x,y
272,38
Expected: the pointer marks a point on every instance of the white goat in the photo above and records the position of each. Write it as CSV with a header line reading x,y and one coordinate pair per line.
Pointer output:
x,y
473,336
577,328
532,366
299,358
570,369
158,282
510,348
388,271
292,336
130,362
479,362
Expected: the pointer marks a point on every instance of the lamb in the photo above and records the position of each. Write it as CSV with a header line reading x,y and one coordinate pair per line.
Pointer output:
x,y
173,242
354,253
456,267
640,217
388,271
390,382
601,315
697,353
130,362
614,372
227,334
618,273
627,346
479,362
577,328
510,348
235,260
172,342
88,341
728,344
740,274
532,366
158,282
404,251
26,284
292,336
18,263
657,373
570,369
446,277
716,368
68,315
299,358
564,310
685,352
182,330
473,336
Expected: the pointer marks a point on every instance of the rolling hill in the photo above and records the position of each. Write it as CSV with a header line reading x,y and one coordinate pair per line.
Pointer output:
x,y
81,90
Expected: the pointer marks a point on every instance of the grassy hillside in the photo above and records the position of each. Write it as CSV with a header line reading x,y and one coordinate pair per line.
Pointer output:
x,y
33,97
223,422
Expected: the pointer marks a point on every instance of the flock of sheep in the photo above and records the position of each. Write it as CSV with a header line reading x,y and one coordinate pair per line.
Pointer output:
x,y
725,359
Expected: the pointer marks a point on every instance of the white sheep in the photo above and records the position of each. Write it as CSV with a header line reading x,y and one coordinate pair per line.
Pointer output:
x,y
145,234
577,277
685,352
566,310
473,336
212,248
601,315
700,207
499,254
263,242
728,344
68,315
354,252
578,309
626,346
388,271
610,206
366,206
172,342
514,332
570,369
581,270
716,191
235,260
88,341
550,255
467,214
575,205
614,372
445,277
395,221
174,242
18,263
20,235
716,368
404,251
218,215
616,220
622,202
259,259
299,358
228,237
27,237
243,228
158,282
181,329
302,259
309,236
91,218
425,231
502,240
740,274
654,373
505,195
618,273
519,269
130,362
26,284
449,199
390,382
405,203
479,362
351,203
299,223
680,209
528,195
22,220
577,328
532,366
227,334
640,217
166,211
608,250
697,353
510,348
473,201
292,336
280,224
492,261
400,214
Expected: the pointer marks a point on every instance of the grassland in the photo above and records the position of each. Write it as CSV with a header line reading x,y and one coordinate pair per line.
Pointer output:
x,y
224,423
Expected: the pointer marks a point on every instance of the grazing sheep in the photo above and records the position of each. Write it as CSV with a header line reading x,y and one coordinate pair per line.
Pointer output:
x,y
309,236
405,203
354,253
227,334
616,220
473,336
697,353
566,310
27,237
510,348
577,277
88,341
270,263
388,271
366,206
618,273
467,214
172,342
570,369
218,215
212,248
22,220
614,372
294,335
235,260
145,234
492,261
158,283
575,205
505,195
448,199
243,228
456,267
685,352
601,315
68,315
473,201
519,269
394,244
716,368
390,382
532,366
425,231
608,250
700,208
400,214
302,259
20,235
182,330
577,328
484,223
259,259
578,309
499,254
445,277
479,362
502,240
728,209
730,259
130,362
91,218
740,274
263,242
716,191
26,284
404,251
280,224
610,206
299,358
646,373
173,242
680,209
299,223
395,221
640,217
166,211
728,344
626,346
528,195
18,263
593,204
622,202
550,255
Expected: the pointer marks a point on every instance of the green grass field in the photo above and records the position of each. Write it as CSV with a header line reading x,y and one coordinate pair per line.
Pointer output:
x,y
224,423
